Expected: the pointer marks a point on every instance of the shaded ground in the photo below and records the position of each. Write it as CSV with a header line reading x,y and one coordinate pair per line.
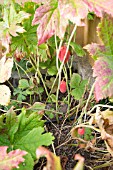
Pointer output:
x,y
66,148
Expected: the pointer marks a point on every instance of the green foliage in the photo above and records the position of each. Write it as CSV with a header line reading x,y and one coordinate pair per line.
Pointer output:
x,y
90,16
26,88
27,164
88,134
50,82
26,42
105,31
21,95
24,131
77,49
23,84
78,86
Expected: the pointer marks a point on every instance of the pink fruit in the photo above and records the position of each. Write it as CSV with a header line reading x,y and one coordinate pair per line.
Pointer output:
x,y
62,54
81,131
63,87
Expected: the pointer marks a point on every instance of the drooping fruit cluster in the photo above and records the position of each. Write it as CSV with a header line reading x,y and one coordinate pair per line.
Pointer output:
x,y
63,87
81,131
62,54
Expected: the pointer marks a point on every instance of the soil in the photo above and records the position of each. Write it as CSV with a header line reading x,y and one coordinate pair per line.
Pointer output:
x,y
66,148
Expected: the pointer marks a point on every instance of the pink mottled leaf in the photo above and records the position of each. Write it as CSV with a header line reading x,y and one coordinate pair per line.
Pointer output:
x,y
100,6
10,160
103,71
94,48
53,18
103,66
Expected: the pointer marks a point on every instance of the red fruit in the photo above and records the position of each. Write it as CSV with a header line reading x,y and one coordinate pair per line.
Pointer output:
x,y
62,54
81,131
18,59
63,87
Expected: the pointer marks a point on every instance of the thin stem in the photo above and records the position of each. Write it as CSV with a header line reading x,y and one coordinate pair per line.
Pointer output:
x,y
22,70
91,91
100,105
85,108
36,68
61,66
65,74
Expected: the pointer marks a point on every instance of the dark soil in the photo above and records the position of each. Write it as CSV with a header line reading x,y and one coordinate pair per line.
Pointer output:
x,y
66,148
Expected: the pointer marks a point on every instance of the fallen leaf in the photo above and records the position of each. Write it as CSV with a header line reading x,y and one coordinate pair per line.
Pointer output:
x,y
106,131
108,115
80,164
53,161
5,95
6,66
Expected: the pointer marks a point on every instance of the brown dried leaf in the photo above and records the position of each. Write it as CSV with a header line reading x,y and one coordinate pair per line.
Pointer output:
x,y
53,161
80,164
5,68
108,114
5,95
106,131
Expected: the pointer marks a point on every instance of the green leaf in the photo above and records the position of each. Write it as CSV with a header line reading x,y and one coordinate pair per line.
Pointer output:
x,y
52,71
43,46
91,16
10,118
34,139
29,92
77,93
27,164
77,49
78,85
23,84
43,54
21,97
27,122
83,83
38,106
75,80
4,140
26,42
2,121
11,123
51,41
105,32
24,131
30,7
53,98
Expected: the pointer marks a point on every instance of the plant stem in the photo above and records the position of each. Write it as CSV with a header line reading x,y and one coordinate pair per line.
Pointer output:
x,y
85,108
61,66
